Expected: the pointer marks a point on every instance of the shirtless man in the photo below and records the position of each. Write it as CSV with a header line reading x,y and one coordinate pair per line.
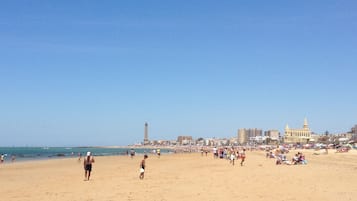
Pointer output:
x,y
142,167
88,160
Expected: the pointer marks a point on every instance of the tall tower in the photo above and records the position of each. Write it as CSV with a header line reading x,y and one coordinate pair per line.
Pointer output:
x,y
306,125
146,135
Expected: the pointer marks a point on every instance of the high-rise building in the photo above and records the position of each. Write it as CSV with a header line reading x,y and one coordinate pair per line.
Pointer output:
x,y
146,134
245,135
242,137
301,135
272,134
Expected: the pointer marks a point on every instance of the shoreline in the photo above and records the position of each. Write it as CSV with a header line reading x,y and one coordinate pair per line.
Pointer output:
x,y
50,153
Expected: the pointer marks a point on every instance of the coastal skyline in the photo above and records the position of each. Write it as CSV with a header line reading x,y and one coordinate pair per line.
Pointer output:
x,y
92,73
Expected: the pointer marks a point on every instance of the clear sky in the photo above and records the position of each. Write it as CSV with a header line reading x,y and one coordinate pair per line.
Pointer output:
x,y
86,72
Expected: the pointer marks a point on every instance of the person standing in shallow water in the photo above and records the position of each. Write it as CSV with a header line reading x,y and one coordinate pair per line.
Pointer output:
x,y
142,167
132,153
88,160
158,153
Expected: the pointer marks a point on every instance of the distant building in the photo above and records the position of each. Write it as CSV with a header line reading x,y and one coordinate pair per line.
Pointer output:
x,y
315,137
354,132
246,135
184,140
242,137
301,135
354,129
222,142
233,141
161,143
272,134
272,137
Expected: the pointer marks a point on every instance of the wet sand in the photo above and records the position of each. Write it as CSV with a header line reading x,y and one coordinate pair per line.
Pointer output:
x,y
183,177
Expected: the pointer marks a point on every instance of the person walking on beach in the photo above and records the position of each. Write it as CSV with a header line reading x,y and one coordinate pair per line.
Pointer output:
x,y
215,152
88,160
232,156
142,167
242,156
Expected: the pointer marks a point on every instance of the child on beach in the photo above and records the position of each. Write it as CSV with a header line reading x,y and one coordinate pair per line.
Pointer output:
x,y
88,166
142,167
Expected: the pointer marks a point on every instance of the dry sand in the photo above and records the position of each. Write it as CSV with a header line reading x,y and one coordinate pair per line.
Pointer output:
x,y
183,177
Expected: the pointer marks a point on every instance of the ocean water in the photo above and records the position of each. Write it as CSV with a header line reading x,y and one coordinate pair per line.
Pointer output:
x,y
42,153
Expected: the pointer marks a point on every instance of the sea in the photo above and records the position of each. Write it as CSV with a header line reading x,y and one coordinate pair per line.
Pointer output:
x,y
44,153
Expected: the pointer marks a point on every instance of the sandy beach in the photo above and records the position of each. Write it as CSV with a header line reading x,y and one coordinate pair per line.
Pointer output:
x,y
183,177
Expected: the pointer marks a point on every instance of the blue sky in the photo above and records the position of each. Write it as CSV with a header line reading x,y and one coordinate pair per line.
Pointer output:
x,y
93,72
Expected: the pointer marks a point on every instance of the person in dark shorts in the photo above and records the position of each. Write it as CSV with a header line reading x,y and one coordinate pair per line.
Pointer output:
x,y
142,167
88,160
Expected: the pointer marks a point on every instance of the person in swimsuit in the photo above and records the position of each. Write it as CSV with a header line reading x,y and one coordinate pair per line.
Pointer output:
x,y
142,167
88,160
242,156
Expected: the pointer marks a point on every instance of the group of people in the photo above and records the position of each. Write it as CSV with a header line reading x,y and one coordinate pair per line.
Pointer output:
x,y
297,159
230,154
89,160
3,157
157,152
204,151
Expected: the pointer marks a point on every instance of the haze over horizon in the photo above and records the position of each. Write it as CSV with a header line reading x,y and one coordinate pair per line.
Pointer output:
x,y
85,73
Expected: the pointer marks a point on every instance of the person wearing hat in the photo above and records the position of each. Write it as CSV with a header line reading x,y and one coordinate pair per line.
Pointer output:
x,y
88,160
